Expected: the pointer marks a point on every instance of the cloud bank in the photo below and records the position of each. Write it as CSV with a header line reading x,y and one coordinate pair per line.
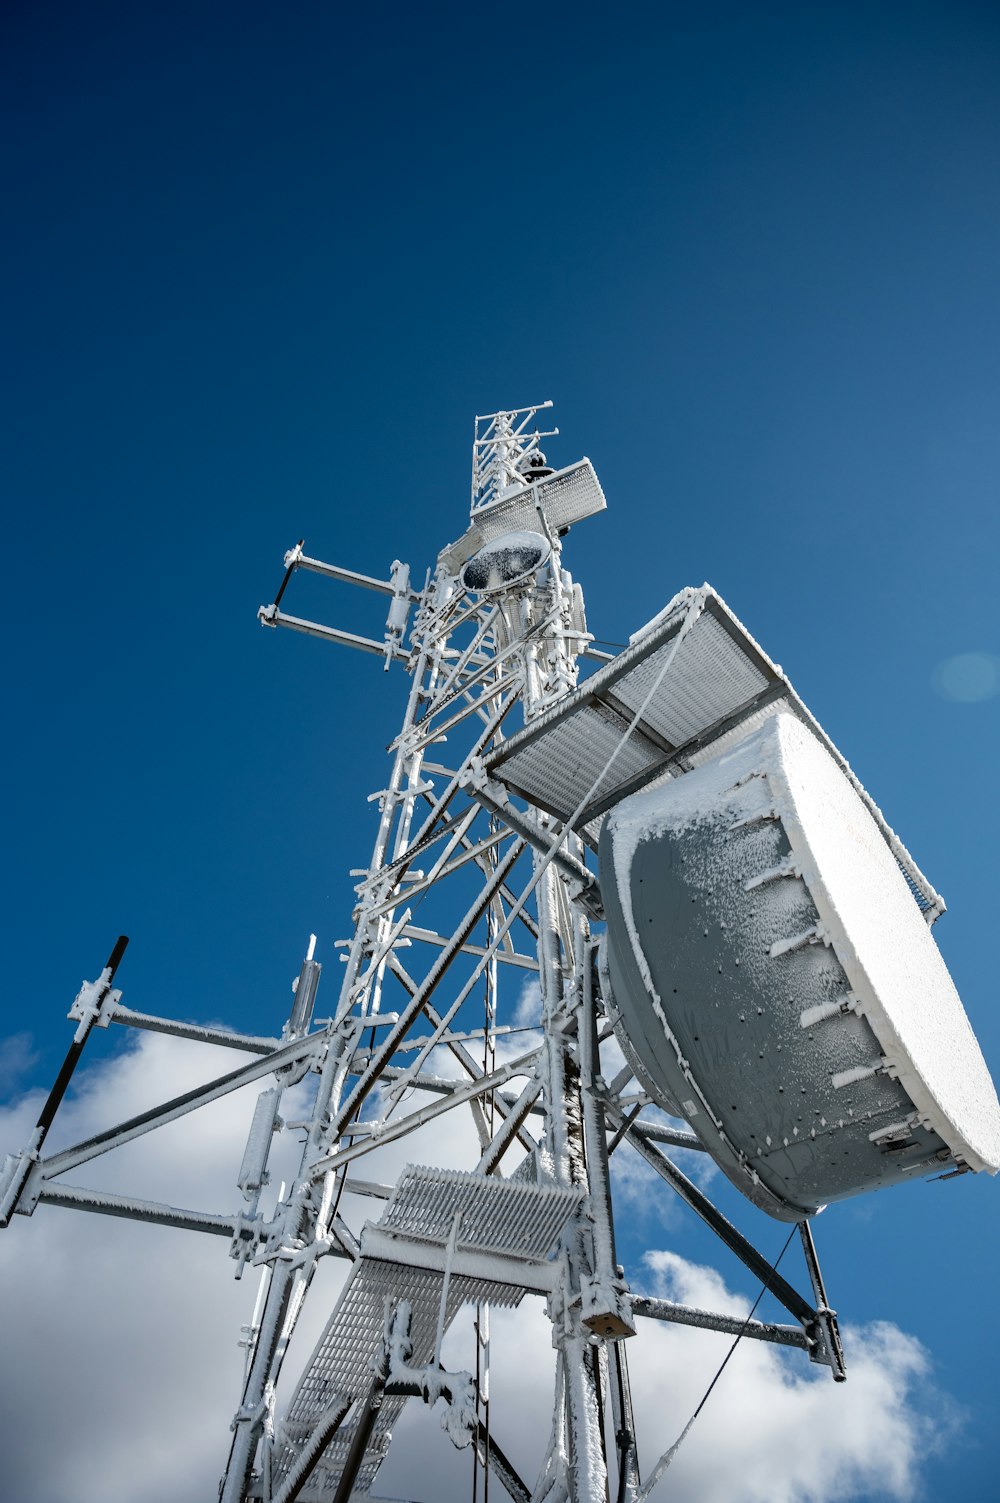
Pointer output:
x,y
121,1368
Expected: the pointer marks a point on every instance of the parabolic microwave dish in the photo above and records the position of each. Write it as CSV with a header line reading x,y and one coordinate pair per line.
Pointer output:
x,y
778,986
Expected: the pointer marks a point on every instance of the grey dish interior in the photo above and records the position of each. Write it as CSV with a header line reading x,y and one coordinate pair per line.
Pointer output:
x,y
717,1028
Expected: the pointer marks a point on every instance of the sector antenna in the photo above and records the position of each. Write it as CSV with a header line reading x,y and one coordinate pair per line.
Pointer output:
x,y
665,843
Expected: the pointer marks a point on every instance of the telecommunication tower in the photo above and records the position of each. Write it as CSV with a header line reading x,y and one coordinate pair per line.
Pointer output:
x,y
655,839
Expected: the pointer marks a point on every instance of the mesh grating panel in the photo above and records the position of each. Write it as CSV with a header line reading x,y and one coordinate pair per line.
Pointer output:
x,y
497,1215
342,1362
591,831
557,770
709,677
718,686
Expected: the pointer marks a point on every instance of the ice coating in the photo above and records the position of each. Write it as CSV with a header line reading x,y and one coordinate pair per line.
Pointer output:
x,y
885,947
867,916
504,560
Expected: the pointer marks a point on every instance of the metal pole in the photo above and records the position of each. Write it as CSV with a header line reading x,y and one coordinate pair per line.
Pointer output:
x,y
19,1168
549,672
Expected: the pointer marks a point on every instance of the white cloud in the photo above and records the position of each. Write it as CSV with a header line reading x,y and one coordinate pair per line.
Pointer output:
x,y
774,1422
17,1056
780,1425
121,1369
528,1012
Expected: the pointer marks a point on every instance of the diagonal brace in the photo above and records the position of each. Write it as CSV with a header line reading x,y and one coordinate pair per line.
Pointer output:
x,y
726,1232
291,1053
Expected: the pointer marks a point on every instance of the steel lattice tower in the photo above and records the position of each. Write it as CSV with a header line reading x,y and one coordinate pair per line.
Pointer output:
x,y
494,844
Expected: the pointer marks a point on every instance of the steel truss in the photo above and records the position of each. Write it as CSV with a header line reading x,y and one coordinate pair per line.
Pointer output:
x,y
504,894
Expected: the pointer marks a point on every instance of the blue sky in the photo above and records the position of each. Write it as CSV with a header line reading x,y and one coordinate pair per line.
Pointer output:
x,y
260,271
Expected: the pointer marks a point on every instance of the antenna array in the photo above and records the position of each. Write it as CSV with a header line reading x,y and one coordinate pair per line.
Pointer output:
x,y
481,882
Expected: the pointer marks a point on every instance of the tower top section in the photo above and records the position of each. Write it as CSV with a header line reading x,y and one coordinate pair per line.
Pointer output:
x,y
506,453
514,488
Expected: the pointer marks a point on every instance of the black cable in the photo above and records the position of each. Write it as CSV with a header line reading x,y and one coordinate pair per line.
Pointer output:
x,y
668,1456
739,1338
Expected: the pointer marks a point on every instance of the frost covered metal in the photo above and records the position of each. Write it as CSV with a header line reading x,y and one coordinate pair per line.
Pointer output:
x,y
508,762
760,929
702,683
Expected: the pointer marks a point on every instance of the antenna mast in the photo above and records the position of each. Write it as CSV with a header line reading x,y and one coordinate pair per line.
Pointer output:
x,y
481,878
